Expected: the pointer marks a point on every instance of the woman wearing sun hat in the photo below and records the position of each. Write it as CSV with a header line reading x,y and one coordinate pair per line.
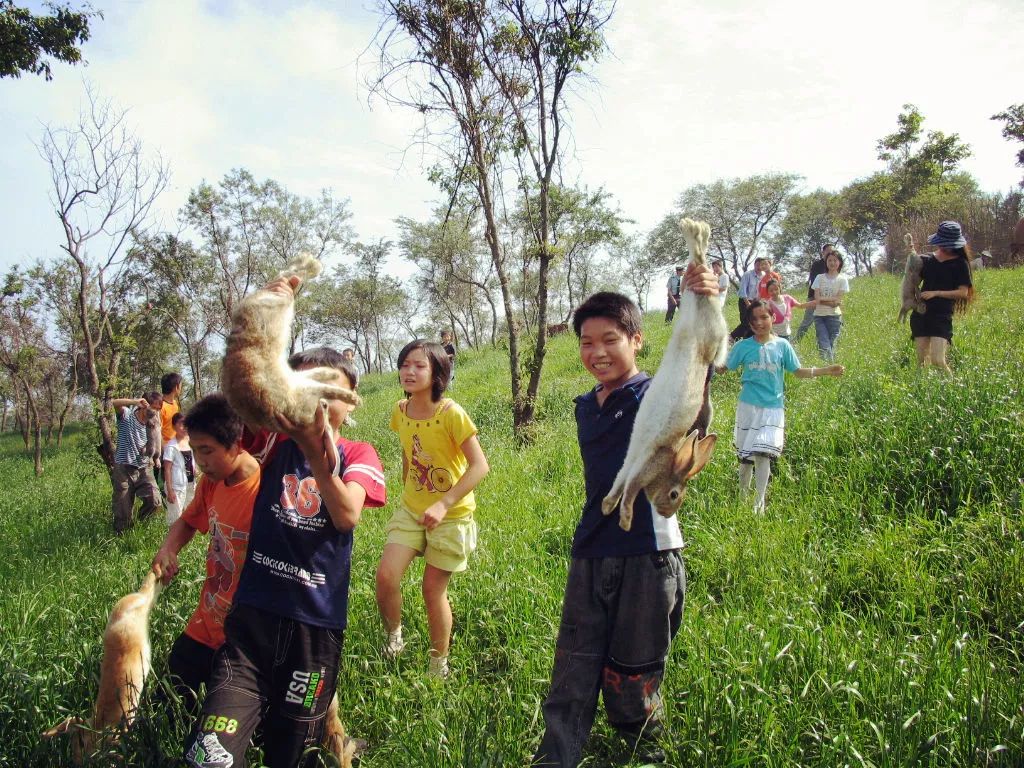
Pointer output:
x,y
946,286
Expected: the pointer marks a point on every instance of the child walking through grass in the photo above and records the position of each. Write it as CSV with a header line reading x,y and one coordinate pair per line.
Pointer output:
x,y
625,590
760,419
442,463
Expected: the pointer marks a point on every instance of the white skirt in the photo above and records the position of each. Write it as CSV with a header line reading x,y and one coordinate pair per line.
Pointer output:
x,y
759,430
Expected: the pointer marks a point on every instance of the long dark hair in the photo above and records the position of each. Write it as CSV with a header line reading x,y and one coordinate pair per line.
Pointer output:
x,y
440,365
965,253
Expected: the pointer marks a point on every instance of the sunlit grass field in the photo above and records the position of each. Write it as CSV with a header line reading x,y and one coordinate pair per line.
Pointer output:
x,y
873,616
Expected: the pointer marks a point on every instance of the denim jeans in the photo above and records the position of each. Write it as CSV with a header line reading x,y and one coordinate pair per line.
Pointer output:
x,y
805,324
270,669
618,620
827,330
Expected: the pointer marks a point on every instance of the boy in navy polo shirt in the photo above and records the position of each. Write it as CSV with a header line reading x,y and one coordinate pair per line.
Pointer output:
x,y
624,596
283,636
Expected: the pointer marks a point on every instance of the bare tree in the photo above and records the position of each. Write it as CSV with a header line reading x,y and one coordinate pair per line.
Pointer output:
x,y
103,188
495,75
22,352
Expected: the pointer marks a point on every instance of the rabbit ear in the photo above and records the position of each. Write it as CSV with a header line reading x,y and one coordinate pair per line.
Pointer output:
x,y
684,454
63,727
702,454
693,454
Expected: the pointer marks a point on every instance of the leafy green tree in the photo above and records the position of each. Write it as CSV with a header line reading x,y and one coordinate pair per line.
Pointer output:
x,y
250,229
26,38
808,226
583,223
636,264
455,275
184,300
362,306
915,163
744,215
1013,128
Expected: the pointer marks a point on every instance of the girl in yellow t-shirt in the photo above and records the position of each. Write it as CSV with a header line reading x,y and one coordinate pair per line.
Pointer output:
x,y
442,463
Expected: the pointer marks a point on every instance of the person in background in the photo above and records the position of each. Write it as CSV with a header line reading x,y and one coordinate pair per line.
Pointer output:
x,y
132,473
449,349
829,290
817,268
746,295
718,267
946,287
348,354
766,275
179,470
170,387
782,305
674,290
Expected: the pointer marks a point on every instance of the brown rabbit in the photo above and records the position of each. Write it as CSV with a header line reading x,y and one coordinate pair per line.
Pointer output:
x,y
256,377
337,742
665,450
910,293
123,671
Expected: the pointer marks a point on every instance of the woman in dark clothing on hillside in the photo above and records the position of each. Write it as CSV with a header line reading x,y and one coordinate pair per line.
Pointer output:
x,y
946,285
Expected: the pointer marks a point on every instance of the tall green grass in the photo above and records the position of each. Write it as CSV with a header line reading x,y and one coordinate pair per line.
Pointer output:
x,y
873,616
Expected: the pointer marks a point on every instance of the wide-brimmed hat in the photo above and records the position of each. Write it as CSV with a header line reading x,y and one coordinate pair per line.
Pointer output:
x,y
948,235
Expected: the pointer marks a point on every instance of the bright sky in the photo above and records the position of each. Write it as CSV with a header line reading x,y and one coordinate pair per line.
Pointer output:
x,y
710,90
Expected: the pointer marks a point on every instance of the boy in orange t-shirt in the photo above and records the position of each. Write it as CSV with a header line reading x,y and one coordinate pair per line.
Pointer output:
x,y
170,390
222,507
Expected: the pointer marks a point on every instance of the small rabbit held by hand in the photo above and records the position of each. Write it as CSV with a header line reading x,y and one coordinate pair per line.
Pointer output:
x,y
910,292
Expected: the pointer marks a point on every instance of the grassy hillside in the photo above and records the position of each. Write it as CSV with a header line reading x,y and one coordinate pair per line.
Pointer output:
x,y
874,615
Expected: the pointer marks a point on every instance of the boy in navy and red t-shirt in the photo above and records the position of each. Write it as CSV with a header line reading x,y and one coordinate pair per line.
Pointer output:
x,y
279,663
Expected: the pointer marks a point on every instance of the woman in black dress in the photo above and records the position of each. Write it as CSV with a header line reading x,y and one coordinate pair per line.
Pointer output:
x,y
946,286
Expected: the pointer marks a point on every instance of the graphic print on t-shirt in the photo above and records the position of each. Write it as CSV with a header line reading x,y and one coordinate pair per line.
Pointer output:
x,y
429,478
223,541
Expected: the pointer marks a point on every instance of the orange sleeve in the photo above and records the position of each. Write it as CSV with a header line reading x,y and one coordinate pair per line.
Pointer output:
x,y
197,515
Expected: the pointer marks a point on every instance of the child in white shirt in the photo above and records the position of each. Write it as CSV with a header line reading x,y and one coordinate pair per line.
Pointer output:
x,y
179,470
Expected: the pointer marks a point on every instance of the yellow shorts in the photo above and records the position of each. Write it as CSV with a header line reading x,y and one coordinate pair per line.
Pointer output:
x,y
447,547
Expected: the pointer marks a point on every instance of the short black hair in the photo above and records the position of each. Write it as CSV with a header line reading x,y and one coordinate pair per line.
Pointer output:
x,y
169,382
838,255
325,357
758,304
214,417
614,306
440,365
177,418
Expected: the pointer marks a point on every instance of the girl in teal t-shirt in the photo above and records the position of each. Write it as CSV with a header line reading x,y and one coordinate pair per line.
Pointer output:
x,y
760,419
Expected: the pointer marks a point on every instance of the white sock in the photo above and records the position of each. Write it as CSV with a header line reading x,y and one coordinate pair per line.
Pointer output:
x,y
762,471
746,471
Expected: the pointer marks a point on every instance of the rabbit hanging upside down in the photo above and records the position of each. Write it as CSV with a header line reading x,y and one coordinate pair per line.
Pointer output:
x,y
256,378
123,671
910,292
665,449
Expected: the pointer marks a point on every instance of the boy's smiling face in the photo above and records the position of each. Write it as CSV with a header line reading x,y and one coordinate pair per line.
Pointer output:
x,y
608,352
